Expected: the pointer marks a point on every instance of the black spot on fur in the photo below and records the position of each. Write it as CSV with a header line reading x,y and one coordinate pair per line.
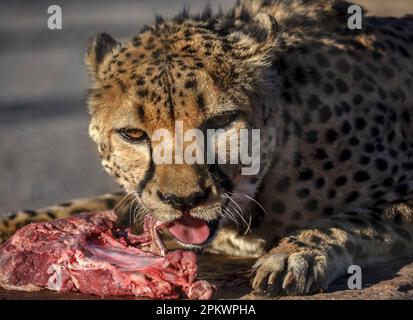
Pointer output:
x,y
344,155
300,75
287,97
328,89
110,203
283,184
354,141
328,166
314,102
142,93
331,194
325,114
311,205
341,181
65,204
358,99
200,100
341,86
312,136
141,112
365,160
352,196
346,127
189,84
328,211
402,189
332,136
369,148
278,207
306,174
388,182
303,193
51,215
381,164
315,239
361,176
367,87
360,123
320,154
30,213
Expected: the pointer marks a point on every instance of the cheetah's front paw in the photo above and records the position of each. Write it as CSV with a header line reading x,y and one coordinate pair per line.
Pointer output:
x,y
296,268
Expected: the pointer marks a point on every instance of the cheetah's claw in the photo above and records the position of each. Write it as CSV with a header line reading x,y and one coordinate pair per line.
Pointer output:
x,y
295,268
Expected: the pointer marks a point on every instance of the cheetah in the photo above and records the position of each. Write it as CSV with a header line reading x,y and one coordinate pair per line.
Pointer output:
x,y
334,109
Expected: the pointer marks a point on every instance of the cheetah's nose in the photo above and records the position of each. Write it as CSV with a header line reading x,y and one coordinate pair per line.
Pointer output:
x,y
187,202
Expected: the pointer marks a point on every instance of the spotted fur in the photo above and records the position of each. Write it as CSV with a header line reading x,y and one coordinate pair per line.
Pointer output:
x,y
334,108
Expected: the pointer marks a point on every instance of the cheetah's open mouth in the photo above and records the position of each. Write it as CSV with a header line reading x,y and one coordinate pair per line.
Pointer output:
x,y
193,231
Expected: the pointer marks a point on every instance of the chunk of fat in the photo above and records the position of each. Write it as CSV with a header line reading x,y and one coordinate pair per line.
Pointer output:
x,y
4,257
140,281
88,264
75,282
169,276
55,280
28,287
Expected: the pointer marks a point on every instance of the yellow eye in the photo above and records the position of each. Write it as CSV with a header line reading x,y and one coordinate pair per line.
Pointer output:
x,y
133,135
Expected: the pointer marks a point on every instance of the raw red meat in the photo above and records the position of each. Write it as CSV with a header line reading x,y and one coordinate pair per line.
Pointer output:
x,y
89,254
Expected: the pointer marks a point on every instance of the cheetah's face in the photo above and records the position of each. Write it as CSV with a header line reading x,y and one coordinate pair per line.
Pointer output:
x,y
149,84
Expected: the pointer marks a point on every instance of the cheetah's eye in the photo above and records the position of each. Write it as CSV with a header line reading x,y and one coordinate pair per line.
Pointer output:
x,y
133,135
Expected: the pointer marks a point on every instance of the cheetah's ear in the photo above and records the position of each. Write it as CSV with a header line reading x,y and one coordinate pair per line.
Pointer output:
x,y
265,27
99,46
259,28
256,36
254,40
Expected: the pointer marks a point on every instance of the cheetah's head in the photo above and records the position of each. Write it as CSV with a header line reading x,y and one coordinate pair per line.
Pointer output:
x,y
208,76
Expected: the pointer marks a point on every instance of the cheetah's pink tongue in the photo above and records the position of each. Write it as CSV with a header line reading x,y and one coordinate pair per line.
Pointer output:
x,y
189,230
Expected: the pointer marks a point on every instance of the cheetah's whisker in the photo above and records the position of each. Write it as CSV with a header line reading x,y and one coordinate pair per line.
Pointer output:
x,y
121,201
259,204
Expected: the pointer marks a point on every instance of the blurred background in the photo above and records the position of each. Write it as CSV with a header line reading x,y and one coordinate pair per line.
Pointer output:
x,y
46,156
